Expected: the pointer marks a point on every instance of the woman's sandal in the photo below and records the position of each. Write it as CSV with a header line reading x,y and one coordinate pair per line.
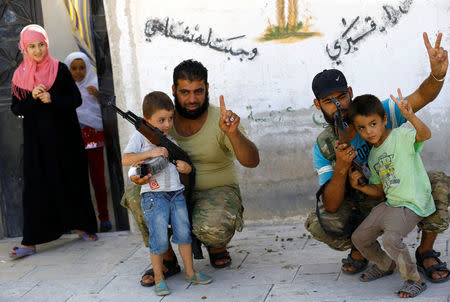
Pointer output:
x,y
172,269
374,273
21,252
428,272
413,288
88,237
213,257
359,265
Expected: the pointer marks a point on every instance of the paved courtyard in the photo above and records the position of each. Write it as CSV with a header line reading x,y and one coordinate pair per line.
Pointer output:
x,y
270,263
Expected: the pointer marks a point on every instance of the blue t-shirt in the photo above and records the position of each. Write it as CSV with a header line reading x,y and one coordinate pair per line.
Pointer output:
x,y
325,168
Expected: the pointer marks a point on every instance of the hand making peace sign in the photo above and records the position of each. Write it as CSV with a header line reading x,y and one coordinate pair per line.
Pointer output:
x,y
438,57
403,105
229,121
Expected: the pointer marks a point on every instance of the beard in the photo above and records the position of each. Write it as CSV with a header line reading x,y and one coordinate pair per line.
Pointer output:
x,y
330,118
192,114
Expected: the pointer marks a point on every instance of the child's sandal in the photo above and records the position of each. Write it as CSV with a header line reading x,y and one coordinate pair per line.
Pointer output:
x,y
200,278
414,288
373,273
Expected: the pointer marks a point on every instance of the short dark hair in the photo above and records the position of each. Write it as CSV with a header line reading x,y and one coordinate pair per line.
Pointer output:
x,y
155,101
190,70
365,105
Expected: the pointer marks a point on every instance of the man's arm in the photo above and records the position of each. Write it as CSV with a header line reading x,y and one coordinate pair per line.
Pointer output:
x,y
432,85
334,192
244,149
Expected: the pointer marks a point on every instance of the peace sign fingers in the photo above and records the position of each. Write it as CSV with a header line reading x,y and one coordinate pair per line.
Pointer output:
x,y
427,41
403,105
437,45
438,56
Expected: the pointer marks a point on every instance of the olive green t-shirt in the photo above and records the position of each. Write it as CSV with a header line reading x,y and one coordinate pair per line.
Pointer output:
x,y
211,153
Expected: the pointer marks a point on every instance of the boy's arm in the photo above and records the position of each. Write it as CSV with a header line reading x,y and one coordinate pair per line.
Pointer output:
x,y
183,167
375,190
422,131
131,158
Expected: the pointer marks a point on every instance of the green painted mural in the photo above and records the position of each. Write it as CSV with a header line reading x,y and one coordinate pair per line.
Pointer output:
x,y
292,29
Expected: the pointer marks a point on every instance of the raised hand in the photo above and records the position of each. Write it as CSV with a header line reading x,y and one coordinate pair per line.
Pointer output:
x,y
404,106
229,121
438,57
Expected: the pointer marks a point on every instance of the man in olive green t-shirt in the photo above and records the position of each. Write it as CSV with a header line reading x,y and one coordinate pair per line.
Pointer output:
x,y
212,136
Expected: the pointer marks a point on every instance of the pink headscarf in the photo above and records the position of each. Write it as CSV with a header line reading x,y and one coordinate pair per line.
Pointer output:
x,y
30,73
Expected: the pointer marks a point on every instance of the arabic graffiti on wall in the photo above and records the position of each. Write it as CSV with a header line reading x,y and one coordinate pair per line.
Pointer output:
x,y
274,115
290,29
359,28
191,34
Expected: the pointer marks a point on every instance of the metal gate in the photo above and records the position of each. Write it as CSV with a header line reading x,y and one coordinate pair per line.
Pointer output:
x,y
14,15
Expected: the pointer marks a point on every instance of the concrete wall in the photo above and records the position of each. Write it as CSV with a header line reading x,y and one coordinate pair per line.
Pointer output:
x,y
266,79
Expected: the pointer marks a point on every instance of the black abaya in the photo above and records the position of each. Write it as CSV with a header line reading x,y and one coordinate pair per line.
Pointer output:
x,y
56,197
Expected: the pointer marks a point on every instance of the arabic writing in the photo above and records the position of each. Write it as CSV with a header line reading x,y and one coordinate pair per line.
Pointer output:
x,y
351,36
179,31
274,116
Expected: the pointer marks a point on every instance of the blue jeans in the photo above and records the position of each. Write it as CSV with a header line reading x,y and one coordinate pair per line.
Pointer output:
x,y
158,209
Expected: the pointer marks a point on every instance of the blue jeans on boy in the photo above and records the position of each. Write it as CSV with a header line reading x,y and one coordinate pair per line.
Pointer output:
x,y
158,209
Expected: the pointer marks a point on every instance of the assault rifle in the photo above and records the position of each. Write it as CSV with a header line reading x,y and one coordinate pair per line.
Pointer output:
x,y
156,137
340,130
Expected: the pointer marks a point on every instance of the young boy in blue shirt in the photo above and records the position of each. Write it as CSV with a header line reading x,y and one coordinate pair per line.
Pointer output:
x,y
162,198
397,173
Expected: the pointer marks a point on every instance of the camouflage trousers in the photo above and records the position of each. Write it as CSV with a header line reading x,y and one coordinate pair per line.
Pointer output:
x,y
217,214
435,223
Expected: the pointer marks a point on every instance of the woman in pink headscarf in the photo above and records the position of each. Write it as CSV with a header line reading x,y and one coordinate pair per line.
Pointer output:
x,y
56,196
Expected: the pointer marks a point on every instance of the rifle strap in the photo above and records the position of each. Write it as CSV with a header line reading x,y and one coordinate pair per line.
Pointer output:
x,y
392,114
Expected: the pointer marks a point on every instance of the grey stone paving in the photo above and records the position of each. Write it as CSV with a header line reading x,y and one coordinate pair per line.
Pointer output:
x,y
270,263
